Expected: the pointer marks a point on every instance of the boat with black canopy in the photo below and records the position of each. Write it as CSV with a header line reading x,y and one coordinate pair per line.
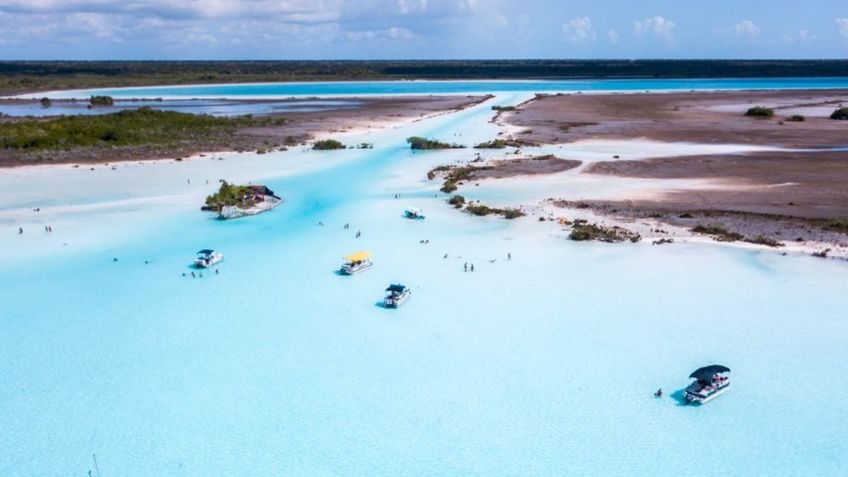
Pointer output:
x,y
710,383
396,295
207,258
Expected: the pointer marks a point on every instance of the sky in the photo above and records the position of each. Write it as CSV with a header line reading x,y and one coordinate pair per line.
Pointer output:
x,y
421,29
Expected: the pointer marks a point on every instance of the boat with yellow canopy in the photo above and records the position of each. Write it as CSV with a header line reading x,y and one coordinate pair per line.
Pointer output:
x,y
356,262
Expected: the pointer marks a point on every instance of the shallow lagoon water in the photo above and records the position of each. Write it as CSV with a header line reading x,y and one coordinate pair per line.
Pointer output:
x,y
540,365
389,88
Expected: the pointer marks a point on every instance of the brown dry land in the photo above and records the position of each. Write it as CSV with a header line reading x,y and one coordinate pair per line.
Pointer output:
x,y
808,184
503,168
697,117
793,195
298,127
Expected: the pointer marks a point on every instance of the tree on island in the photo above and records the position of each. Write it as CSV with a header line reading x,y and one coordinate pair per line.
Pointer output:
x,y
230,195
46,102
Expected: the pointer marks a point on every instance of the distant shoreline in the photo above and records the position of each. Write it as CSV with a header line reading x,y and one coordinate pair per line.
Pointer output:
x,y
21,77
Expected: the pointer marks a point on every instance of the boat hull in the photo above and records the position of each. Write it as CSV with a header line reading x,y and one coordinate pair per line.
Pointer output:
x,y
353,270
396,301
698,399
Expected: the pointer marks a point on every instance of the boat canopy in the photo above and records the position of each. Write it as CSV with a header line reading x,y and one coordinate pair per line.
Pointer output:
x,y
707,372
396,288
357,257
414,210
205,251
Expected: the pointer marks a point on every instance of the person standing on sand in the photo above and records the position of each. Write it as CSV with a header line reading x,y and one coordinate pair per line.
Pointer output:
x,y
509,256
20,230
472,267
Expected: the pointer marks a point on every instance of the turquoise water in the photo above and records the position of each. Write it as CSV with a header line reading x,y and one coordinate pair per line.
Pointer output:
x,y
453,87
540,365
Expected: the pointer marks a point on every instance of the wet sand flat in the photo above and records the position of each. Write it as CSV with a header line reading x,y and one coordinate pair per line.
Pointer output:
x,y
696,117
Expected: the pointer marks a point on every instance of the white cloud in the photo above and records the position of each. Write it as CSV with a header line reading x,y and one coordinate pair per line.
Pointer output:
x,y
397,33
579,30
612,36
412,6
746,28
392,33
657,26
842,24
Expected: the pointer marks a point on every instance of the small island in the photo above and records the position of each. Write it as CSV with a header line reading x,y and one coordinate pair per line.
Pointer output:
x,y
421,143
234,201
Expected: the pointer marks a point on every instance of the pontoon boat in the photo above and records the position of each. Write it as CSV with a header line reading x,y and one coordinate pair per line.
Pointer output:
x,y
355,263
207,258
413,213
709,384
396,295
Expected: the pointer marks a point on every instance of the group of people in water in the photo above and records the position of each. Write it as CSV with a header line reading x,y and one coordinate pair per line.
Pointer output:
x,y
200,274
47,228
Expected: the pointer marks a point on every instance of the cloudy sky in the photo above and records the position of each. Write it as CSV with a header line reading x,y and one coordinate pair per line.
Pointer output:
x,y
378,29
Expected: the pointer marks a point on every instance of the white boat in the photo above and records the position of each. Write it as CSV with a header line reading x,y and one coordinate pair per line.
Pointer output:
x,y
710,383
207,258
413,213
355,263
396,295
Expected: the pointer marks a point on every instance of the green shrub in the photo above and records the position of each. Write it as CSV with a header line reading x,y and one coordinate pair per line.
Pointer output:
x,y
327,145
841,114
503,108
448,187
760,112
101,101
480,209
512,213
457,201
719,232
837,225
494,144
46,102
143,126
796,118
432,174
421,143
483,210
582,231
763,240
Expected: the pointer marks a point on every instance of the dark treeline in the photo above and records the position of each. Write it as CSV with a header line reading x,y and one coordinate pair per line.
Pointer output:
x,y
25,76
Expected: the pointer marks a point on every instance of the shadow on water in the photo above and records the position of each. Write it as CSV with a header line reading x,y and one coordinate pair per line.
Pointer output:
x,y
679,398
